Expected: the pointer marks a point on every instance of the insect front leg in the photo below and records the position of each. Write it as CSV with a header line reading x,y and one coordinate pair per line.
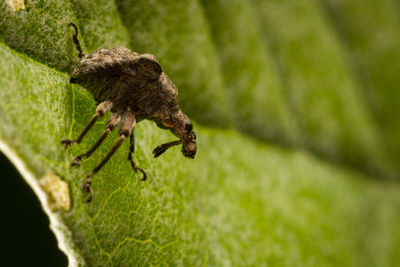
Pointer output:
x,y
162,148
126,127
101,110
131,152
111,124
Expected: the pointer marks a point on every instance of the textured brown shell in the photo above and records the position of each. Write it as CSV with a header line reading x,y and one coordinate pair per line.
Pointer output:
x,y
129,80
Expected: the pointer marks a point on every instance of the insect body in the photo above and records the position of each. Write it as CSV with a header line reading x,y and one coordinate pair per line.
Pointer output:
x,y
133,87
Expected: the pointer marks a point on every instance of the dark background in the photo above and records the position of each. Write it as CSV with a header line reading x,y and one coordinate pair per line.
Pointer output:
x,y
26,239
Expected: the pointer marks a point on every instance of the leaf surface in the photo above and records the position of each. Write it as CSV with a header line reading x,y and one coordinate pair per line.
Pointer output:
x,y
240,202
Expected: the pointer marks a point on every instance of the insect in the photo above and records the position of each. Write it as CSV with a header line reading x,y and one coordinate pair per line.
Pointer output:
x,y
134,88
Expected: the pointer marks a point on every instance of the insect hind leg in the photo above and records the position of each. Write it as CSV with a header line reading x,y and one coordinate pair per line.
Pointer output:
x,y
76,41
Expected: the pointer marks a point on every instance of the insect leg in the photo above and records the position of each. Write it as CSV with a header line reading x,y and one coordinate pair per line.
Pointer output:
x,y
127,124
101,109
162,148
131,152
111,124
76,41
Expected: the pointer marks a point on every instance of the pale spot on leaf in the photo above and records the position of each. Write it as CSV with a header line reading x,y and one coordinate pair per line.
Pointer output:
x,y
57,192
16,4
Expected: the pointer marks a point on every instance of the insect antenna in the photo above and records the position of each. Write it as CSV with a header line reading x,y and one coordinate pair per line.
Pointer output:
x,y
76,41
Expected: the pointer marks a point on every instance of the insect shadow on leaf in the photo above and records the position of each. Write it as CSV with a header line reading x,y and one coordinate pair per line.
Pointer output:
x,y
134,88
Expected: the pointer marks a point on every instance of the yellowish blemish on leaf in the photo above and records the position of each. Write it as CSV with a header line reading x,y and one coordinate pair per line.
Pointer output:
x,y
16,4
57,192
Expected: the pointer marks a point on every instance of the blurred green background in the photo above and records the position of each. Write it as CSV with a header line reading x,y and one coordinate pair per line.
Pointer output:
x,y
296,108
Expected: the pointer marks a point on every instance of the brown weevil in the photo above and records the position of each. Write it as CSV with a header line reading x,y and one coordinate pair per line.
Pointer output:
x,y
133,87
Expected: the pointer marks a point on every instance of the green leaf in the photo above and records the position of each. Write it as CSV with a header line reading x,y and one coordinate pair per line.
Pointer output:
x,y
320,85
375,60
239,202
39,32
249,72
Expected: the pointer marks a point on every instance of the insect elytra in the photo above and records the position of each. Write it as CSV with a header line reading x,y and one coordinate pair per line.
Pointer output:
x,y
133,87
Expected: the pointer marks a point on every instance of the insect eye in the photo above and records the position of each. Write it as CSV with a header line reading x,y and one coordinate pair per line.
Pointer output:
x,y
188,127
